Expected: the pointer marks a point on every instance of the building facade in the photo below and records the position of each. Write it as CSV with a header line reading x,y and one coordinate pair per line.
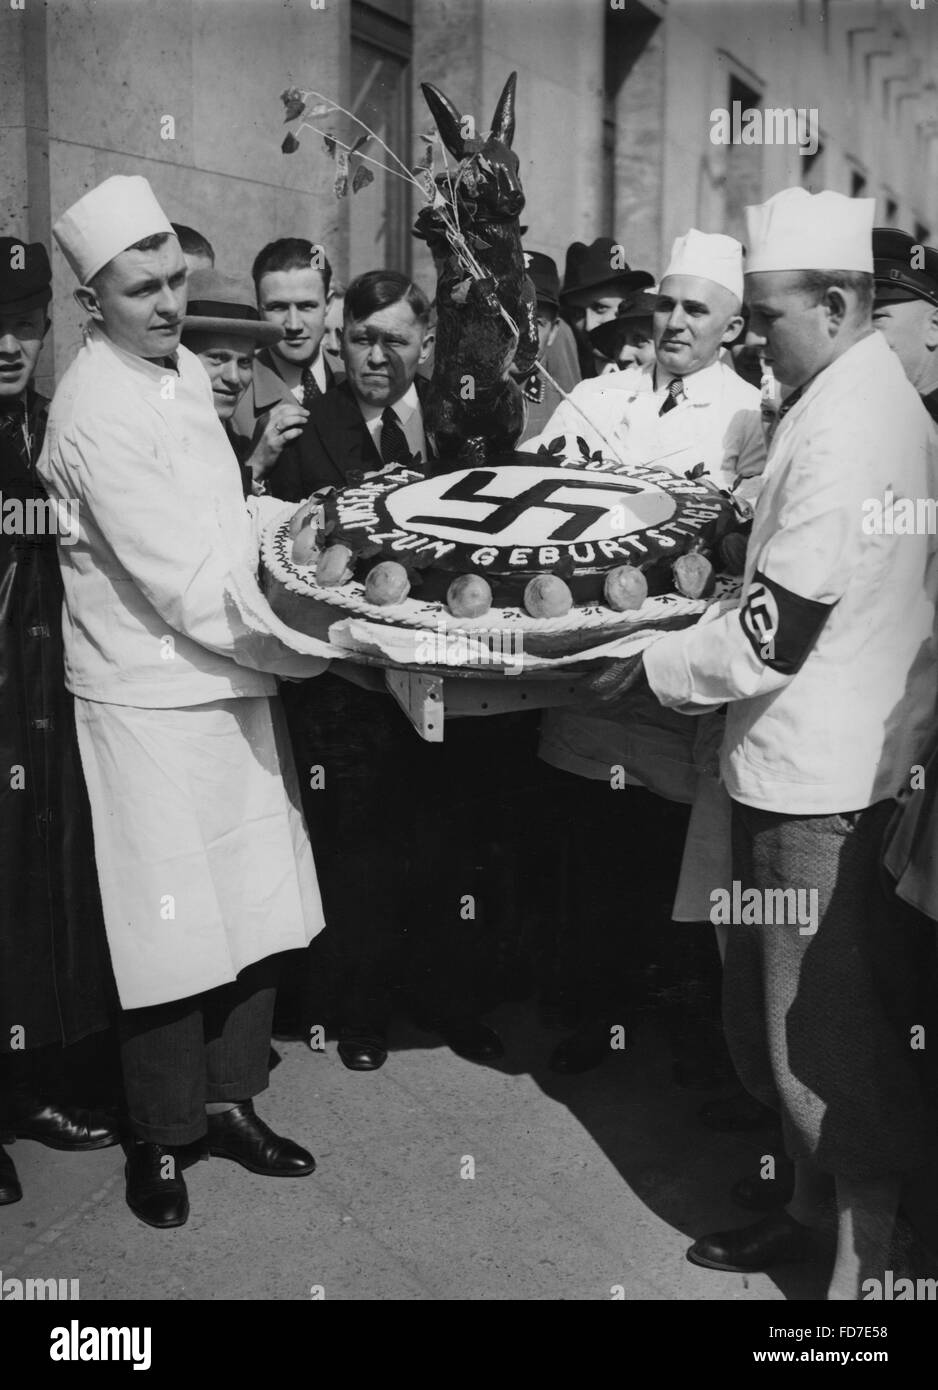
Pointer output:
x,y
618,115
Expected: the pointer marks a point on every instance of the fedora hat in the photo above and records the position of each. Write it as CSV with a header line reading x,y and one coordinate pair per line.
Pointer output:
x,y
223,304
591,269
25,275
608,337
542,272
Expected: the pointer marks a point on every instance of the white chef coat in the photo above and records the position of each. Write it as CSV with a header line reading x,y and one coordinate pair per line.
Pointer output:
x,y
829,662
162,606
717,423
203,856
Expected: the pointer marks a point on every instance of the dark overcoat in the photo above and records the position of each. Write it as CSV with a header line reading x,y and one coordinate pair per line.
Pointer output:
x,y
55,976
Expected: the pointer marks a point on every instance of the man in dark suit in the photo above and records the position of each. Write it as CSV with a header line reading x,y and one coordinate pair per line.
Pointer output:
x,y
373,418
292,282
391,836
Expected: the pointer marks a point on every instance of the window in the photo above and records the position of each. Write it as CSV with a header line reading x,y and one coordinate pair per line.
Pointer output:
x,y
632,138
743,185
380,215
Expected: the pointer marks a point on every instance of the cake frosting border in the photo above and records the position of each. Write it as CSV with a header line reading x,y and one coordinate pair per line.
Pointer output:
x,y
348,599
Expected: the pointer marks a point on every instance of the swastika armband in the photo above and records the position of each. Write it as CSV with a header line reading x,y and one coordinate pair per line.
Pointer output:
x,y
781,627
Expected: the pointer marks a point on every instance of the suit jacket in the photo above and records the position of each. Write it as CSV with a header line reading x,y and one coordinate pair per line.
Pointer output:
x,y
335,442
267,389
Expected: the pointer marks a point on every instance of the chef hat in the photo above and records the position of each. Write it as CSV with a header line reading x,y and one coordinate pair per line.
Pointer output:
x,y
798,230
710,255
119,212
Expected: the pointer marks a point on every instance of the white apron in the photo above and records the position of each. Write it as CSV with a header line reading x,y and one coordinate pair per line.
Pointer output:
x,y
203,857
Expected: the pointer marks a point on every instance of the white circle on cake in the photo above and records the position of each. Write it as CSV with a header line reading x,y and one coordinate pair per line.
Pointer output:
x,y
579,505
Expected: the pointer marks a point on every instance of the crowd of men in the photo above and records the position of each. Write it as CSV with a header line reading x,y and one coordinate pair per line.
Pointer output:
x,y
211,838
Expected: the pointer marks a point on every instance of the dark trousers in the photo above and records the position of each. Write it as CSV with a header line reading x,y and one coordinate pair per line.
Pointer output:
x,y
351,747
210,1047
471,885
616,860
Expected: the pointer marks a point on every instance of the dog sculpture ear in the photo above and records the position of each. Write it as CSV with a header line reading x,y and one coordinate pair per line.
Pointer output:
x,y
448,119
503,122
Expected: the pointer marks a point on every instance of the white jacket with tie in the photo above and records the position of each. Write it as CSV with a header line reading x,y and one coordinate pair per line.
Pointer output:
x,y
717,422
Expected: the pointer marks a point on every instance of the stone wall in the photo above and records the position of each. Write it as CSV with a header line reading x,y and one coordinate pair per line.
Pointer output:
x,y
86,90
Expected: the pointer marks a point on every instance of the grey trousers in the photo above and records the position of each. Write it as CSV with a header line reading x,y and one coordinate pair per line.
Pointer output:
x,y
820,1025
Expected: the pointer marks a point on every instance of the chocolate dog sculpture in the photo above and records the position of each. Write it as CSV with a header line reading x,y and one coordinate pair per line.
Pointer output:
x,y
474,409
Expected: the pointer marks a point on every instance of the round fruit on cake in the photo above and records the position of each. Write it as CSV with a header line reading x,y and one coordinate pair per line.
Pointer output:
x,y
563,550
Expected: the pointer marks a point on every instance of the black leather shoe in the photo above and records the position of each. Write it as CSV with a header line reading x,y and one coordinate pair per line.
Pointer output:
x,y
362,1049
10,1190
238,1134
764,1194
472,1039
585,1049
59,1126
156,1189
776,1239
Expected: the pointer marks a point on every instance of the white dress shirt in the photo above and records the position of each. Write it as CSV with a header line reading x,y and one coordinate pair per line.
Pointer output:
x,y
410,418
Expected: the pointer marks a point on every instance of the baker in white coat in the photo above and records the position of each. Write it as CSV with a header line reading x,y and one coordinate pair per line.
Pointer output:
x,y
687,406
828,669
684,409
171,652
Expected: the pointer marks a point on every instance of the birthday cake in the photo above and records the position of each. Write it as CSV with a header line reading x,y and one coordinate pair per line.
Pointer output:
x,y
569,552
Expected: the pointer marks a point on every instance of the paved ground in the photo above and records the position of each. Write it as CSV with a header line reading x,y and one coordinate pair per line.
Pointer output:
x,y
580,1185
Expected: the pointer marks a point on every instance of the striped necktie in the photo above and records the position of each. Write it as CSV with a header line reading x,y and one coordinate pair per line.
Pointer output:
x,y
675,393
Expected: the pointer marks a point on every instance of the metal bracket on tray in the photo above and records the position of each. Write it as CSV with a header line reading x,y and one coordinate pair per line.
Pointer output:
x,y
421,699
428,699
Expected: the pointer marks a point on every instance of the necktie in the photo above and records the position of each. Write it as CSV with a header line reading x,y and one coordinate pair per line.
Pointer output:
x,y
675,392
310,386
393,439
791,400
